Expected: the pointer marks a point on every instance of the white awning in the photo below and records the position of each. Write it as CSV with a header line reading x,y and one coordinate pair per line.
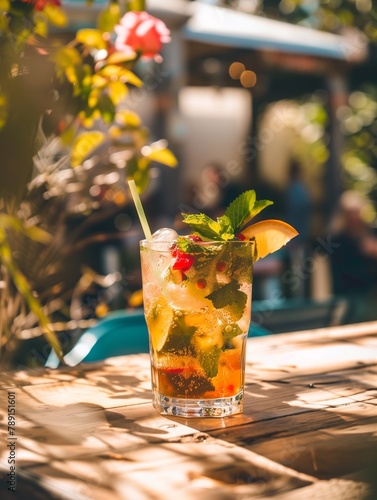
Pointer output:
x,y
226,27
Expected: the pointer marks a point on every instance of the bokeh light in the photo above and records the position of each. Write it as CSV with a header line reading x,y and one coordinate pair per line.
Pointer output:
x,y
236,69
248,79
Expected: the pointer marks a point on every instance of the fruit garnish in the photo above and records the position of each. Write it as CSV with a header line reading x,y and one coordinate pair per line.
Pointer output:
x,y
270,235
239,213
221,266
159,321
183,261
194,237
201,283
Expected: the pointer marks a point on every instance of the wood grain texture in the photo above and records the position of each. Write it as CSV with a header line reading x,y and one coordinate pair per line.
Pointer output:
x,y
309,428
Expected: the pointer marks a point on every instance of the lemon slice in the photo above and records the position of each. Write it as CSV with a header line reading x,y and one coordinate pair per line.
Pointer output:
x,y
270,235
159,320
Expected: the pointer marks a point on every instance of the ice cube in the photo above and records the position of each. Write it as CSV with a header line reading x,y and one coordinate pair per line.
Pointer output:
x,y
165,234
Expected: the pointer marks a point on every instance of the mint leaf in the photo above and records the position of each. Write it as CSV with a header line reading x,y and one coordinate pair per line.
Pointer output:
x,y
226,228
258,207
231,298
209,361
244,208
220,230
226,294
203,225
189,246
179,338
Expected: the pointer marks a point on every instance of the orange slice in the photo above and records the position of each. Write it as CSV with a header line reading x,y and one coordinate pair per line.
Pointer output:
x,y
270,235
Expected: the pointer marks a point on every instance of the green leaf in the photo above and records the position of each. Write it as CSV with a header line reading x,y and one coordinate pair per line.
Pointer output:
x,y
91,38
67,57
83,145
244,208
209,361
141,176
229,296
33,232
109,17
113,71
189,246
117,91
259,206
106,108
25,290
128,119
164,156
41,27
121,57
137,5
4,5
179,338
55,15
226,228
203,225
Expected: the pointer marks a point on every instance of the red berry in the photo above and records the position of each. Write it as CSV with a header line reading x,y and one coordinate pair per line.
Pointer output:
x,y
195,237
221,266
183,261
173,249
201,283
240,236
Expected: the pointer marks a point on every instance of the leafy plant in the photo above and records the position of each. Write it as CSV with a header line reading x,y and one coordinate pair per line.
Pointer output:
x,y
64,113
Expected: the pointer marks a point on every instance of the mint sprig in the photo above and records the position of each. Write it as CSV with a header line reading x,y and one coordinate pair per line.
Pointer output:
x,y
220,230
244,208
189,246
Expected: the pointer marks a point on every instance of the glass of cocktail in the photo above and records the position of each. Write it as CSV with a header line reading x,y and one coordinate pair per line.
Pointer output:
x,y
197,305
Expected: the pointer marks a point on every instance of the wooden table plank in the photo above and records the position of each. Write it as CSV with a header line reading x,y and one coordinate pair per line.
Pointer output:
x,y
309,425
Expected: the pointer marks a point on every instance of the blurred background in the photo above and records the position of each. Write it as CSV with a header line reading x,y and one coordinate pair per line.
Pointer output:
x,y
276,96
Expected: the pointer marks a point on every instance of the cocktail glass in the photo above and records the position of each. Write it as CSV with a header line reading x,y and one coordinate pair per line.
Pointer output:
x,y
198,319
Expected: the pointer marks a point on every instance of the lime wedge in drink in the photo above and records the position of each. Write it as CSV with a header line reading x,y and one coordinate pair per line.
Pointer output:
x,y
159,321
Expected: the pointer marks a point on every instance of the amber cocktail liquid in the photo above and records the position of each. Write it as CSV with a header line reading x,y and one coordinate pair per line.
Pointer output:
x,y
197,306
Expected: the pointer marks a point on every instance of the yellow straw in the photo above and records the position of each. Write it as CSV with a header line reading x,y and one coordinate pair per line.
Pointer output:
x,y
140,210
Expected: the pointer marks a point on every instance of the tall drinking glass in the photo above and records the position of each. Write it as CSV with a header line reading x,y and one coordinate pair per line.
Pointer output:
x,y
198,319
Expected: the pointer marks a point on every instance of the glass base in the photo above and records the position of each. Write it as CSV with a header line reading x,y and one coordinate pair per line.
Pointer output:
x,y
197,408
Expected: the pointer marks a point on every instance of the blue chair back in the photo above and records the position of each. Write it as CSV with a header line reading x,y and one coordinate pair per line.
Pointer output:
x,y
119,333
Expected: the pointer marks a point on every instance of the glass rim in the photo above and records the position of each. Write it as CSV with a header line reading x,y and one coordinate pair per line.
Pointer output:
x,y
154,245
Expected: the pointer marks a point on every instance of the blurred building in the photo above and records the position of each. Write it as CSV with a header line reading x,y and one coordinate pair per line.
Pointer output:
x,y
227,93
220,72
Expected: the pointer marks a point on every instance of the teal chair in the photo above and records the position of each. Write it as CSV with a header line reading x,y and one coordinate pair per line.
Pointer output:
x,y
119,333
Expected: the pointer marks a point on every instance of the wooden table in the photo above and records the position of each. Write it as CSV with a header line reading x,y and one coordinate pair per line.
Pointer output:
x,y
309,429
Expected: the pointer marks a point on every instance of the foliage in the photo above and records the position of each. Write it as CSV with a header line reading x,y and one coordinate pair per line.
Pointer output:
x,y
327,15
65,104
359,125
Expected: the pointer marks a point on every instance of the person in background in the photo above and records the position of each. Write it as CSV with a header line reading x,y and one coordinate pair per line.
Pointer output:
x,y
298,213
354,258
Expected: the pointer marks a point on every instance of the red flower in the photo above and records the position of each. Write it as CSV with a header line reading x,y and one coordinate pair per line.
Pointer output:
x,y
140,32
41,4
